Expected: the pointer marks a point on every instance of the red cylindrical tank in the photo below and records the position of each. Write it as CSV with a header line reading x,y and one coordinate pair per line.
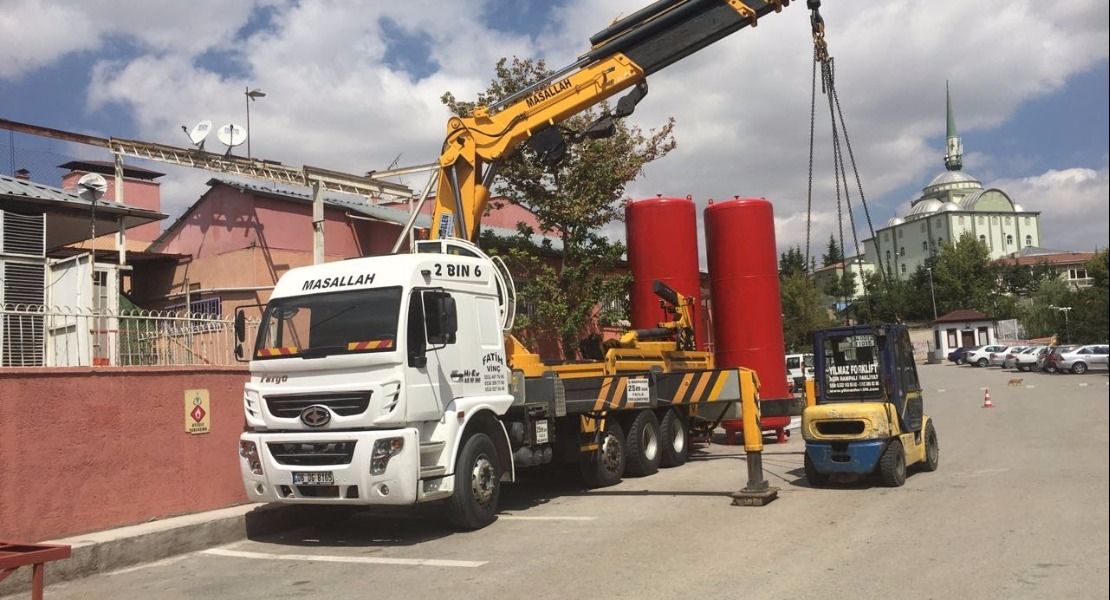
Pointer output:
x,y
744,287
662,236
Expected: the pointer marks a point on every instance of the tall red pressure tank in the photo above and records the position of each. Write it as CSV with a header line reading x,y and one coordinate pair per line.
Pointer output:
x,y
662,236
744,287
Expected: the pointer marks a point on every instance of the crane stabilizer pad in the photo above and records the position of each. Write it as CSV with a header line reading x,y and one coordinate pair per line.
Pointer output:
x,y
746,497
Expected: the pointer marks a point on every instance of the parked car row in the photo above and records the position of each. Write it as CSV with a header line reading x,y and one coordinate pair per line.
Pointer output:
x,y
1051,359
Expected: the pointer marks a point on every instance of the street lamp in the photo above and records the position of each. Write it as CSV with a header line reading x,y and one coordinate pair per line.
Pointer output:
x,y
251,95
931,292
1067,324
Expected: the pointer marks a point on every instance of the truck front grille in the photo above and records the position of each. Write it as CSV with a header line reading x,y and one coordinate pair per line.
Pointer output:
x,y
289,406
312,454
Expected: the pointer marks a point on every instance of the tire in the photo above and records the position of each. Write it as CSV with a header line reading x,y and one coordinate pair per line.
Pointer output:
x,y
1079,368
1050,369
674,439
960,360
932,450
605,466
1024,368
892,464
813,476
982,362
474,502
642,445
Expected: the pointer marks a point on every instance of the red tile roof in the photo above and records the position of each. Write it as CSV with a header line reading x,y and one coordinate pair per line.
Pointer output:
x,y
962,315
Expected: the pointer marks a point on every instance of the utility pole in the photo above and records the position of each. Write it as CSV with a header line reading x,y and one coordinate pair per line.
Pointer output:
x,y
251,95
1067,323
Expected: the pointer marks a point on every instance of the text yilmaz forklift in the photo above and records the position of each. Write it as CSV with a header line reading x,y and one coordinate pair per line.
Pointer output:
x,y
866,415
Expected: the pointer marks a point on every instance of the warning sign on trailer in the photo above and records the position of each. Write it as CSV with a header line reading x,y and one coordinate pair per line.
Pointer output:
x,y
198,414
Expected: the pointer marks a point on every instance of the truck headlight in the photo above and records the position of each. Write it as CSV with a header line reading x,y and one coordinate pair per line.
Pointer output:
x,y
249,451
382,452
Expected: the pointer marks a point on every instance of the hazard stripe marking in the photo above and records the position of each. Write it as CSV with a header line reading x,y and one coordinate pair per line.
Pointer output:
x,y
603,393
722,379
681,391
618,393
364,560
703,381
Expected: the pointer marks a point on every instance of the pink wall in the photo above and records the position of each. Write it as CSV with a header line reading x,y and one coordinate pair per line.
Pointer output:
x,y
139,193
116,453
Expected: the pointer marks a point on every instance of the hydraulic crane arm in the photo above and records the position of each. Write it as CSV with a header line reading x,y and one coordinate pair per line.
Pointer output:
x,y
621,57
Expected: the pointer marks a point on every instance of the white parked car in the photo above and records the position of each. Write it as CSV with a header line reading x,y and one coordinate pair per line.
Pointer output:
x,y
1030,359
1009,361
798,367
981,356
997,358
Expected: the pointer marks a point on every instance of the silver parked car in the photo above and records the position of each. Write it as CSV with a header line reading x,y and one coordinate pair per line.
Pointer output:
x,y
1084,358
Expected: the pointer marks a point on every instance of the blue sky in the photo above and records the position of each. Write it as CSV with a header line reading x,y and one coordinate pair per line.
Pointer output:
x,y
352,86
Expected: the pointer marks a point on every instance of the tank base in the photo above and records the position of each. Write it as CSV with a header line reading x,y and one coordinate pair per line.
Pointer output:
x,y
747,497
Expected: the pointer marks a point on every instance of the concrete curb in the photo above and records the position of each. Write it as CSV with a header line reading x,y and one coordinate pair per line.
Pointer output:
x,y
114,549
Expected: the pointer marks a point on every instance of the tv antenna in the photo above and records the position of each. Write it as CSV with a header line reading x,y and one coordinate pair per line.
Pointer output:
x,y
231,135
91,187
198,133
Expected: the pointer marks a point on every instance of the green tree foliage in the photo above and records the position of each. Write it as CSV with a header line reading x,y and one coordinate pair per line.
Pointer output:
x,y
842,286
1091,315
792,262
833,254
572,201
965,277
802,310
1039,319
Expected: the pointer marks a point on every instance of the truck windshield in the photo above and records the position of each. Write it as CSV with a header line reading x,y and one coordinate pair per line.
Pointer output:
x,y
852,368
335,323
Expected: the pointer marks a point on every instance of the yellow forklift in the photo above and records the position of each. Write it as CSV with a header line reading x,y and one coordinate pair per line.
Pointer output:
x,y
865,415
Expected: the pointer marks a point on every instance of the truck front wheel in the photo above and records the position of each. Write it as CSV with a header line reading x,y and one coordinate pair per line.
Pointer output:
x,y
605,466
477,484
932,450
892,464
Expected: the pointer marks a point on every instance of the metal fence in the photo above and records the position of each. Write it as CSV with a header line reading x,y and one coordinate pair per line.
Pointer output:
x,y
58,336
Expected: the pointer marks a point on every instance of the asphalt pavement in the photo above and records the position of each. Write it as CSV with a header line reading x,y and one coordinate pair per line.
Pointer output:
x,y
1017,509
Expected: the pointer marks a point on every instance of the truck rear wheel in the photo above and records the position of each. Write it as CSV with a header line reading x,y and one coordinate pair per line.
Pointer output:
x,y
642,446
605,466
813,476
673,439
932,450
892,464
477,484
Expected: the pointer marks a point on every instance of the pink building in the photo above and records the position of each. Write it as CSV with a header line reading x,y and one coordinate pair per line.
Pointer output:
x,y
240,238
139,191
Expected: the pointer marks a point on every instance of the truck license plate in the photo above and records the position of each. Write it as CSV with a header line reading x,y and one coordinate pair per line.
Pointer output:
x,y
313,478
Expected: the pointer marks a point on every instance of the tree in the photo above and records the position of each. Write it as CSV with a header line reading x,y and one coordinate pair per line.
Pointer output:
x,y
833,254
1038,316
791,262
802,310
572,201
965,277
1091,316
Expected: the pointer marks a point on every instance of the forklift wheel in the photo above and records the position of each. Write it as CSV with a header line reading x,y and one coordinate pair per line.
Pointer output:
x,y
892,464
932,450
813,476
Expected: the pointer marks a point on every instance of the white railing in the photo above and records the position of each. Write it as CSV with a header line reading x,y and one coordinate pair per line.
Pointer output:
x,y
60,336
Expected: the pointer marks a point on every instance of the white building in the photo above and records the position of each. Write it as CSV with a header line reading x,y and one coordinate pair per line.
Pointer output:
x,y
952,204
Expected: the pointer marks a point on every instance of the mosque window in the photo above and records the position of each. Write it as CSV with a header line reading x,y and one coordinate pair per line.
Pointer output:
x,y
1028,220
888,256
1009,240
901,233
903,266
982,220
922,228
994,219
902,251
1007,220
940,241
963,220
925,246
982,239
1028,240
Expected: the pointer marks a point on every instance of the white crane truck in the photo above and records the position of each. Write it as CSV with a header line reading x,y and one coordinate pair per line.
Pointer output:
x,y
393,380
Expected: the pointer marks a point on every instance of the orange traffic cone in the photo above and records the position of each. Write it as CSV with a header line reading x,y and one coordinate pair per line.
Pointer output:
x,y
987,398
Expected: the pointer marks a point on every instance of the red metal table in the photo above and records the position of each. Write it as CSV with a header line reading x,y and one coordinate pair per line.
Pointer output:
x,y
14,555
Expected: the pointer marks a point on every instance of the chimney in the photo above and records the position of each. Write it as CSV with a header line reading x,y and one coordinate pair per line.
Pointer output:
x,y
23,174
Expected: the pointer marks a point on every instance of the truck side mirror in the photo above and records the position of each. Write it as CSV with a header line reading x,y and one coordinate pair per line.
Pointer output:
x,y
240,326
441,318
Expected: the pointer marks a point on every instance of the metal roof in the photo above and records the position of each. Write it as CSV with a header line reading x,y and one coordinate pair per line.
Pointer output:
x,y
43,195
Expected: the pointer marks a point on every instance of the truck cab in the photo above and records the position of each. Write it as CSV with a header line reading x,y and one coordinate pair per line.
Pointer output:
x,y
867,415
368,374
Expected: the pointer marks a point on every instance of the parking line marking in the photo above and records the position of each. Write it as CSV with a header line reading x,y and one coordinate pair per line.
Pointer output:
x,y
157,563
372,560
1030,386
529,518
941,390
1084,384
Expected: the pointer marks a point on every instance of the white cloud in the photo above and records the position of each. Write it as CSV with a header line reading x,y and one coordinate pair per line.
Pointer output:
x,y
742,105
1073,205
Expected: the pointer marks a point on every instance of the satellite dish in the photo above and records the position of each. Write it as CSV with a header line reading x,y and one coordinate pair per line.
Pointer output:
x,y
199,132
232,135
91,186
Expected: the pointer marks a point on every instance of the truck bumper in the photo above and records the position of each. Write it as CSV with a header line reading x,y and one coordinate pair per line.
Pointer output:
x,y
857,458
353,484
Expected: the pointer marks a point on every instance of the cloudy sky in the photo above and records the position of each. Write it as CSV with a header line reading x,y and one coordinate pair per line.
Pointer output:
x,y
353,86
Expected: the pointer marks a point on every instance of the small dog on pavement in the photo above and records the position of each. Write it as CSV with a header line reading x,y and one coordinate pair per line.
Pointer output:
x,y
1015,381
